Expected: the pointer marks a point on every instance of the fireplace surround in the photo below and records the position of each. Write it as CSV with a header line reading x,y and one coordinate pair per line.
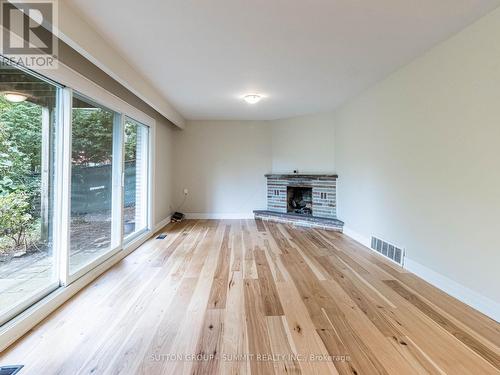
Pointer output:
x,y
302,199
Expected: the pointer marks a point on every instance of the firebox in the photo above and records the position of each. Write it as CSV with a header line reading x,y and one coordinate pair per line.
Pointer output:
x,y
299,200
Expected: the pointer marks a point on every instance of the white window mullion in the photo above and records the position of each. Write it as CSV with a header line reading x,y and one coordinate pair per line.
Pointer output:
x,y
151,176
142,183
63,183
118,181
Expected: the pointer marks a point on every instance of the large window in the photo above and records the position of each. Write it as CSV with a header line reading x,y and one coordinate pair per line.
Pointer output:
x,y
28,265
74,183
136,178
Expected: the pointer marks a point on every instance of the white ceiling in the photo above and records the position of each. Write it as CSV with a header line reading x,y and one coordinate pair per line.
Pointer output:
x,y
304,56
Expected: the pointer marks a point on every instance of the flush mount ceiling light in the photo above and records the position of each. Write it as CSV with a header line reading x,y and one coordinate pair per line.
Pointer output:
x,y
252,98
14,97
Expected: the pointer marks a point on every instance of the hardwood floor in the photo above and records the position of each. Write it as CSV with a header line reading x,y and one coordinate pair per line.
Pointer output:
x,y
245,296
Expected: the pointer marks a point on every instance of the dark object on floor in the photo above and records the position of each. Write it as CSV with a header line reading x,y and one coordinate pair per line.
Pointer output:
x,y
10,370
161,236
177,216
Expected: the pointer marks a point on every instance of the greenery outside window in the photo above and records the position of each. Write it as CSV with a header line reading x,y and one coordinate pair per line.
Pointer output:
x,y
74,182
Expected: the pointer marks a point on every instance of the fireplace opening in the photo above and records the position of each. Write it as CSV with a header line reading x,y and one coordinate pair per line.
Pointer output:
x,y
299,200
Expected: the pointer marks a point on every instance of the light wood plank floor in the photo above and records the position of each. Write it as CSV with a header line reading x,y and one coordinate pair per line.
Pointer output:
x,y
245,296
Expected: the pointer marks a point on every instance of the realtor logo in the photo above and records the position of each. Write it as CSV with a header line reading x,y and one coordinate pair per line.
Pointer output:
x,y
27,32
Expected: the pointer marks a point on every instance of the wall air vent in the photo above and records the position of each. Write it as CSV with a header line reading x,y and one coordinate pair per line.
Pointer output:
x,y
388,250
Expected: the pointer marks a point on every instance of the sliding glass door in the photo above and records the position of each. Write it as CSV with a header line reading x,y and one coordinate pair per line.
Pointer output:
x,y
92,189
74,183
136,181
28,263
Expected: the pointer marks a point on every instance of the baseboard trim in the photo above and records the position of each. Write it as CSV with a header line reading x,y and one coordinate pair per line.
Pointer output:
x,y
466,295
13,330
162,223
357,236
237,216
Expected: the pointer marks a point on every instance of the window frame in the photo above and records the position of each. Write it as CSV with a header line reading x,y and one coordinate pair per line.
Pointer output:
x,y
75,82
70,78
44,291
117,190
68,81
149,190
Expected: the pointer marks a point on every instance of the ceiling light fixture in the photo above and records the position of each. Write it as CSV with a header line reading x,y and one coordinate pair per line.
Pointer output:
x,y
14,97
252,98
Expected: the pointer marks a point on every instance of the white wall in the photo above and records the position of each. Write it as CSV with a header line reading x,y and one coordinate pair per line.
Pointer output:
x,y
164,174
222,164
305,143
418,157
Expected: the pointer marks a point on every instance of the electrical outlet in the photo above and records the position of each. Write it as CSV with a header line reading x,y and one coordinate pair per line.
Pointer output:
x,y
186,191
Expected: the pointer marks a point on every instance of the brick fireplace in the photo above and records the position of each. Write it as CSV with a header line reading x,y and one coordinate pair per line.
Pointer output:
x,y
306,200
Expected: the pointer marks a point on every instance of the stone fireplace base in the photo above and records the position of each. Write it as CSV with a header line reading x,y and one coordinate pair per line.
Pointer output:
x,y
300,220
